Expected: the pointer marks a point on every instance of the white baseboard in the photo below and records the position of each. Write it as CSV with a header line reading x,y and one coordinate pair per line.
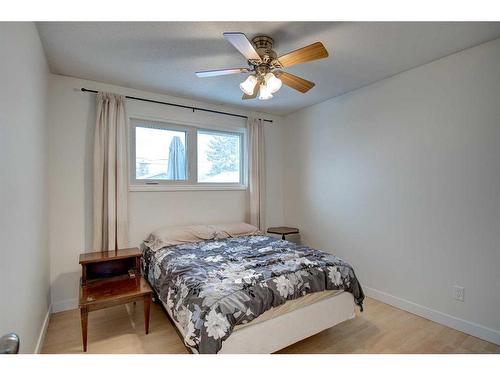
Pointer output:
x,y
43,331
459,324
67,304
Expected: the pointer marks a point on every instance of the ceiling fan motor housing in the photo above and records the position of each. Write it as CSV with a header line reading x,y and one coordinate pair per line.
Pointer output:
x,y
264,47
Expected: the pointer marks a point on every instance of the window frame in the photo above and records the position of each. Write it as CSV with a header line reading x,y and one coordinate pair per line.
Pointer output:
x,y
191,131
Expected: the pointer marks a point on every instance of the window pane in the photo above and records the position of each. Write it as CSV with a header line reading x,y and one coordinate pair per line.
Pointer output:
x,y
219,157
160,154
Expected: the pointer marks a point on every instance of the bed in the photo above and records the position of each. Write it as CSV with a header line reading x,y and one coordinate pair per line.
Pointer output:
x,y
238,291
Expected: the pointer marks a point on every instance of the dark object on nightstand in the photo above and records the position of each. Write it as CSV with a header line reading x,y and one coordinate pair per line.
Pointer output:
x,y
112,278
283,231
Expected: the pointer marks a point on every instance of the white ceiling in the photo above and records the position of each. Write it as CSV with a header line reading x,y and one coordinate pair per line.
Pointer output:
x,y
163,56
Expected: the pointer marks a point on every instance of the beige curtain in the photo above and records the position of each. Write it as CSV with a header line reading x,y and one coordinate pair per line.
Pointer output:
x,y
110,173
256,172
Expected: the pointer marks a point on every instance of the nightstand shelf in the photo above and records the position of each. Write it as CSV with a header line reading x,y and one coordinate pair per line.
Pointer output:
x,y
109,279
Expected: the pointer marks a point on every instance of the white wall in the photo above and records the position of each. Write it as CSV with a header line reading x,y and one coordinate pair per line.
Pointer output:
x,y
402,179
72,121
24,262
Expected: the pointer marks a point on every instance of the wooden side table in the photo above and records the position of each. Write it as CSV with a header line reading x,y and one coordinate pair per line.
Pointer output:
x,y
109,279
283,231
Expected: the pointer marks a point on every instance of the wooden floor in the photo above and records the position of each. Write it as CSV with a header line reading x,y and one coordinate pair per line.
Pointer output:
x,y
380,329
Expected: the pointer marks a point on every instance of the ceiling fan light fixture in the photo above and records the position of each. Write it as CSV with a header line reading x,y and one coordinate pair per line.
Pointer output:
x,y
265,92
273,83
248,86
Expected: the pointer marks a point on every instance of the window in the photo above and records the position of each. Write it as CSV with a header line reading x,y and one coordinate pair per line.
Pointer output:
x,y
219,156
160,154
174,156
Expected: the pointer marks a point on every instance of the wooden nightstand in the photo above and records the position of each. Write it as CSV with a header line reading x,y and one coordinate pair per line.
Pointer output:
x,y
112,278
283,231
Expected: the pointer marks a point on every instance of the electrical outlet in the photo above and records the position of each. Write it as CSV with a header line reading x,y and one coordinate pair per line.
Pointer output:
x,y
459,293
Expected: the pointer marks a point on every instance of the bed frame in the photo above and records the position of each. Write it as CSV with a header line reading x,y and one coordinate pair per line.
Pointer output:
x,y
288,328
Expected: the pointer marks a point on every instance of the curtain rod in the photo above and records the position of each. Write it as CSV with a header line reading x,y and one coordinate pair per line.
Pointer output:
x,y
180,106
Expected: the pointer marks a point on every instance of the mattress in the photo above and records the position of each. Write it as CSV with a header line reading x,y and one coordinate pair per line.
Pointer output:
x,y
290,306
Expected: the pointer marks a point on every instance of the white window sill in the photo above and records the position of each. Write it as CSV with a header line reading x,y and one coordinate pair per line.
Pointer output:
x,y
197,187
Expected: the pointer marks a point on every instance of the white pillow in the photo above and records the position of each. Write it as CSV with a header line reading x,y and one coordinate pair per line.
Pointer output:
x,y
235,229
178,235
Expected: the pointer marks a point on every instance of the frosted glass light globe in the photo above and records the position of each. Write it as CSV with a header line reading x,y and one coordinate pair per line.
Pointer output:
x,y
248,85
265,93
273,83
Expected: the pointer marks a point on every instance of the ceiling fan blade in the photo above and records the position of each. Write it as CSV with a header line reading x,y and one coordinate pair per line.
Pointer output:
x,y
221,72
311,52
254,95
297,83
242,44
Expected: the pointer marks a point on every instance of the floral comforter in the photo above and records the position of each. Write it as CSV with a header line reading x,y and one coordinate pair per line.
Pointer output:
x,y
211,286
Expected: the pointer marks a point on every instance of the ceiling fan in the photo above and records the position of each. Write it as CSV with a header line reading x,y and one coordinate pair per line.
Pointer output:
x,y
265,68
